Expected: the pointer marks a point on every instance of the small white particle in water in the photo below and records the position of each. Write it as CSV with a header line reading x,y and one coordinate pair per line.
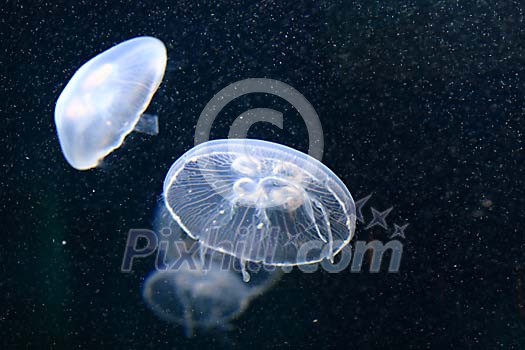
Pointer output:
x,y
64,242
315,321
260,226
221,212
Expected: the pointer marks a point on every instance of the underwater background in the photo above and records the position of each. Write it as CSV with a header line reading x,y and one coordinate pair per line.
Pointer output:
x,y
421,104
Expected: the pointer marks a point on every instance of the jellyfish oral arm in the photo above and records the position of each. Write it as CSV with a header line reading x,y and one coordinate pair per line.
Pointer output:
x,y
147,124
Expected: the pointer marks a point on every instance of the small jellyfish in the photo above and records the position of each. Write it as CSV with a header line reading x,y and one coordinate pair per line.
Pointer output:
x,y
105,99
261,202
194,293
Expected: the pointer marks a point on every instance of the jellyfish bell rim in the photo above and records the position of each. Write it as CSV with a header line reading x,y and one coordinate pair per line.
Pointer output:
x,y
228,143
82,73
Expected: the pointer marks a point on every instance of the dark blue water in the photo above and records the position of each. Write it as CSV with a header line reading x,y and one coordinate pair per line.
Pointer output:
x,y
421,105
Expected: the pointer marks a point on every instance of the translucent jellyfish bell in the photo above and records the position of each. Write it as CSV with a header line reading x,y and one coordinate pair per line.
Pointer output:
x,y
205,294
260,201
196,299
105,99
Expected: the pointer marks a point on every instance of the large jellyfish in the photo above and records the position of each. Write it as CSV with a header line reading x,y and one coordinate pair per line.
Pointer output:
x,y
261,202
105,99
194,292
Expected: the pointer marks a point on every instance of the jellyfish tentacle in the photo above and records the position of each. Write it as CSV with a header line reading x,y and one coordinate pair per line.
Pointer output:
x,y
202,255
245,274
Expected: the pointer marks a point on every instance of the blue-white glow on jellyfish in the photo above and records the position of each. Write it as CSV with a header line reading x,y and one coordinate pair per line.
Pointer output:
x,y
105,100
260,202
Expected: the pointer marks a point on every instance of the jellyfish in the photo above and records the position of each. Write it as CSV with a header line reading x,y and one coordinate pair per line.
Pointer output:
x,y
260,202
205,294
105,99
